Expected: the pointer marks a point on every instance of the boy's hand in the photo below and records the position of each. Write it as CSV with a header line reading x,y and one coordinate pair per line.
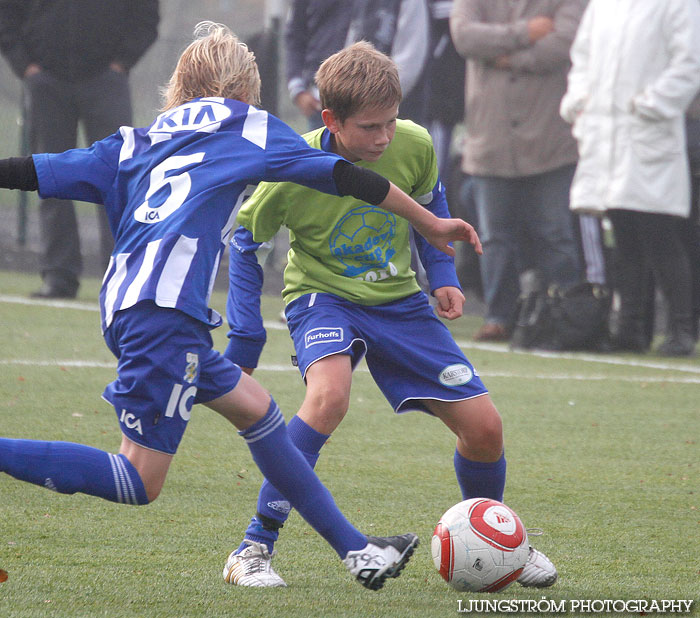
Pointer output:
x,y
307,103
441,232
450,302
32,69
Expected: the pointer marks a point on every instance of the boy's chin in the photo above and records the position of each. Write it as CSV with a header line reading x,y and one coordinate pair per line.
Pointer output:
x,y
372,156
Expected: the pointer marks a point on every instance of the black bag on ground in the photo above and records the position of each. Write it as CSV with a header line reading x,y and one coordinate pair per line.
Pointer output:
x,y
557,319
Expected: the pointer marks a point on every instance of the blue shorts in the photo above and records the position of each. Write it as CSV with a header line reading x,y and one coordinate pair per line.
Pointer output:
x,y
410,353
166,365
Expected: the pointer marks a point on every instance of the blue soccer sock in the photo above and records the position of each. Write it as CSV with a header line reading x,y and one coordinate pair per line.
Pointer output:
x,y
480,479
286,468
273,507
68,468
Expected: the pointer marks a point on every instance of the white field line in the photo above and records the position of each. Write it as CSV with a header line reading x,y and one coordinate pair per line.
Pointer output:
x,y
582,356
498,348
57,304
84,364
595,378
363,369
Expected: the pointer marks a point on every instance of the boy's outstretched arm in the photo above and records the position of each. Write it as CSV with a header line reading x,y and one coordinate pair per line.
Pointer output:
x,y
437,231
18,173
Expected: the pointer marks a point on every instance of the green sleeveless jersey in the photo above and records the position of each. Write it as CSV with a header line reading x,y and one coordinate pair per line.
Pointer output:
x,y
340,245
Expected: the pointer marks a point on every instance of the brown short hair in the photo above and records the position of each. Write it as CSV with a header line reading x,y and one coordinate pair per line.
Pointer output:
x,y
358,77
215,64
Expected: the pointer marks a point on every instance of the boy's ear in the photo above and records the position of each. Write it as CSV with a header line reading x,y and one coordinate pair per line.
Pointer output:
x,y
331,121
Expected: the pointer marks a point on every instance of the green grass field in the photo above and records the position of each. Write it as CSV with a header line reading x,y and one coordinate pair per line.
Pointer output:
x,y
603,455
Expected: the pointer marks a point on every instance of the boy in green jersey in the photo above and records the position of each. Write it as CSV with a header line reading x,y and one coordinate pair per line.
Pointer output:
x,y
350,293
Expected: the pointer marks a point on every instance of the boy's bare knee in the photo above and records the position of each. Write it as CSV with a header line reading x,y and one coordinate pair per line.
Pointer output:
x,y
331,403
488,439
325,408
152,493
477,425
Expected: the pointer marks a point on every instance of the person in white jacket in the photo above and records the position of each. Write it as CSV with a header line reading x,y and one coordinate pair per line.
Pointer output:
x,y
635,70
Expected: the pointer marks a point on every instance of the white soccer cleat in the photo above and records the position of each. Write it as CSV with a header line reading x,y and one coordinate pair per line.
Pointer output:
x,y
381,558
539,572
252,567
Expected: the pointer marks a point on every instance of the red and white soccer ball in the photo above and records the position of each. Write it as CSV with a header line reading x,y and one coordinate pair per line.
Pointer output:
x,y
480,545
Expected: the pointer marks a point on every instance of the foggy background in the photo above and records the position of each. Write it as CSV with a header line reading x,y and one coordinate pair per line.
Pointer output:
x,y
257,22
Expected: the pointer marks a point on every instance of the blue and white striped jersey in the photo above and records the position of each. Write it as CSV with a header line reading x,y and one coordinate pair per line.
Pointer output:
x,y
171,192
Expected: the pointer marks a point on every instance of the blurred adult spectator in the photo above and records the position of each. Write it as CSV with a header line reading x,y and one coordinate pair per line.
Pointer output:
x,y
400,29
693,230
74,58
519,152
445,110
315,29
635,69
445,79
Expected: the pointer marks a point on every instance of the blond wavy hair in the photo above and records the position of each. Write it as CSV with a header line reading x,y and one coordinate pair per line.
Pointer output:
x,y
356,78
215,64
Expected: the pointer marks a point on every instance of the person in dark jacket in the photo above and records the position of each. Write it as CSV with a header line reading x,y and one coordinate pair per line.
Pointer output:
x,y
315,30
400,29
73,57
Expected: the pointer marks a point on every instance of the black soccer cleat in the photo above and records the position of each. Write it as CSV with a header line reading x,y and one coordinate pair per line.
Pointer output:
x,y
381,558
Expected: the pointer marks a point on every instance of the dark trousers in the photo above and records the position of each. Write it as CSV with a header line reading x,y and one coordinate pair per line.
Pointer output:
x,y
651,243
692,242
524,223
692,236
54,108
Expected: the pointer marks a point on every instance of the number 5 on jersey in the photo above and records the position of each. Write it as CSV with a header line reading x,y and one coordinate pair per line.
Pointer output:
x,y
180,184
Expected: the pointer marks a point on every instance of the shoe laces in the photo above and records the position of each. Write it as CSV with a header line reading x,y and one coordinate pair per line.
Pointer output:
x,y
257,560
